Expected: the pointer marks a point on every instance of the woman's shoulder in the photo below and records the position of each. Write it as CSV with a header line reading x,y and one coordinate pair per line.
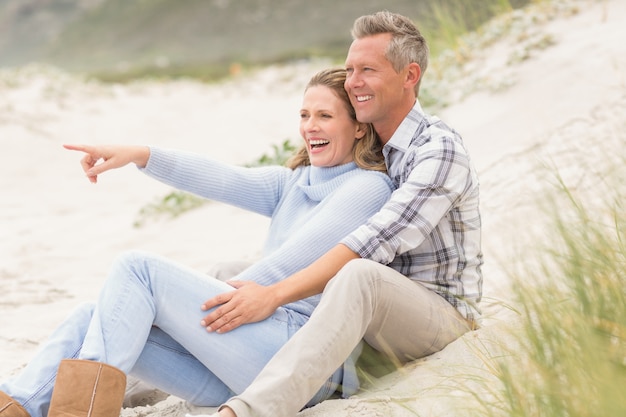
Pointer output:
x,y
371,177
362,185
367,187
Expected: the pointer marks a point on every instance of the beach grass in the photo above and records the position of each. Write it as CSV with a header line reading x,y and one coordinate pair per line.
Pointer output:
x,y
457,67
452,19
570,355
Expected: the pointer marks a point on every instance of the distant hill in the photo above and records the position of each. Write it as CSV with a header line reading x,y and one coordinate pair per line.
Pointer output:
x,y
126,36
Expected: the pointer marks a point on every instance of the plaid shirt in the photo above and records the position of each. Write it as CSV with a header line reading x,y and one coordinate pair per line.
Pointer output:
x,y
430,228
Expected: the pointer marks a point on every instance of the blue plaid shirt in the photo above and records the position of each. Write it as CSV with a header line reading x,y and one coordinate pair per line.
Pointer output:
x,y
430,229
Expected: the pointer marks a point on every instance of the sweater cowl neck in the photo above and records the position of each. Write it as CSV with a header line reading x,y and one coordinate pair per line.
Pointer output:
x,y
321,181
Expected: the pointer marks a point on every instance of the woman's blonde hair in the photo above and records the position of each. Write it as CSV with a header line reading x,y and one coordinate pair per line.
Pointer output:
x,y
367,152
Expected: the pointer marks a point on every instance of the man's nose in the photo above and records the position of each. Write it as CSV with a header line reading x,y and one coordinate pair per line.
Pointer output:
x,y
353,80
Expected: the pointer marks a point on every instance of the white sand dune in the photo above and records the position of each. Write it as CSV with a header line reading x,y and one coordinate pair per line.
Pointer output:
x,y
60,233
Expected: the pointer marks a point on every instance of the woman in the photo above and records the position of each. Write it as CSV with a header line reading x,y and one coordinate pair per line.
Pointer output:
x,y
149,320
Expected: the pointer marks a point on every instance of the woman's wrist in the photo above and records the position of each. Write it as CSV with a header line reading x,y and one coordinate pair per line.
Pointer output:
x,y
141,155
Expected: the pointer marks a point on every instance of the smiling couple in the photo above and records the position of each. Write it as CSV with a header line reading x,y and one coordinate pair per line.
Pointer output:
x,y
346,262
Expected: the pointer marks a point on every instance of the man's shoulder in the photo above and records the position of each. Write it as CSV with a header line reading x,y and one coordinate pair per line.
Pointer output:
x,y
434,135
419,128
432,127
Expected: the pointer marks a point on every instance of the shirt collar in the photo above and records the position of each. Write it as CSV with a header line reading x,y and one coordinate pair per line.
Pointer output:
x,y
402,137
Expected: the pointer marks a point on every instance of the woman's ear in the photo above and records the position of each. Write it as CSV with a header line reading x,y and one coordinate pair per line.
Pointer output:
x,y
361,130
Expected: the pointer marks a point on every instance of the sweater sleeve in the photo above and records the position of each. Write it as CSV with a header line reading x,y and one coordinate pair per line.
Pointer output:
x,y
345,209
254,189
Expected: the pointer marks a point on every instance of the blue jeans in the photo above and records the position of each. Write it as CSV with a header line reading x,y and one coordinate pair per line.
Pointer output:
x,y
147,323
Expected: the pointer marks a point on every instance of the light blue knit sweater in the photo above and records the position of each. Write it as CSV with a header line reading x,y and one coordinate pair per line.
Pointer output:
x,y
311,208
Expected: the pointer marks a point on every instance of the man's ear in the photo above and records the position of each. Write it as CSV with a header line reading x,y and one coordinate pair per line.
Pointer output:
x,y
361,130
413,74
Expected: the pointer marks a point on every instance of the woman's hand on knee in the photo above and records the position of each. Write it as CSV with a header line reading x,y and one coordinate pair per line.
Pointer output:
x,y
249,303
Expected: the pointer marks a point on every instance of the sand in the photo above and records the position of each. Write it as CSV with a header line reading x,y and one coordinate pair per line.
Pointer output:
x,y
60,233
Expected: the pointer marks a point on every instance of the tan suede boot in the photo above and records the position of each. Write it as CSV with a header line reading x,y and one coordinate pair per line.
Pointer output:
x,y
11,408
87,389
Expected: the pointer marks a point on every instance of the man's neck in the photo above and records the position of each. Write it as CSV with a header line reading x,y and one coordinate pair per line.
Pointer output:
x,y
386,128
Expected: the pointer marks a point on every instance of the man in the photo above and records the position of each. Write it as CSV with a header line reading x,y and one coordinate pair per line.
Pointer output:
x,y
408,282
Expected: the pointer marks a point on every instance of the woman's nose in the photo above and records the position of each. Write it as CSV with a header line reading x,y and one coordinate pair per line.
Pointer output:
x,y
311,124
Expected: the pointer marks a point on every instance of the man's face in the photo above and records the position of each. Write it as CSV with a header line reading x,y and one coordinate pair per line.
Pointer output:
x,y
377,92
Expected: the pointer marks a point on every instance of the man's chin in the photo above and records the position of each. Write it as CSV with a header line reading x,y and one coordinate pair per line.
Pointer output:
x,y
364,117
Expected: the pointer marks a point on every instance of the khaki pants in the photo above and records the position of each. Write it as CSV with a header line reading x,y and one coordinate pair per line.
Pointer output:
x,y
366,300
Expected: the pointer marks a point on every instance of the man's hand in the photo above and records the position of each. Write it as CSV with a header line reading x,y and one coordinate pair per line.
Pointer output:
x,y
249,303
113,156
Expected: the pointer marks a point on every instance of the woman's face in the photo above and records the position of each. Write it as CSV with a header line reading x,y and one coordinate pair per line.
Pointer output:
x,y
326,127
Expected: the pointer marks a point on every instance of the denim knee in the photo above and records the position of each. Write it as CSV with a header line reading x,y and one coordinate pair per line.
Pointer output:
x,y
133,264
131,258
84,312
